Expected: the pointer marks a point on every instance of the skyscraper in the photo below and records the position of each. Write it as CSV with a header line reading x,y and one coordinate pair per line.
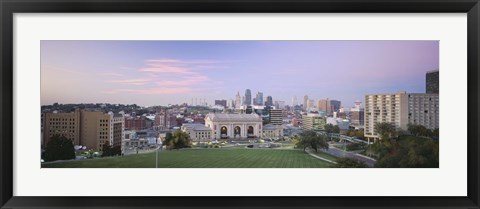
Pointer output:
x,y
305,102
294,101
269,101
328,106
258,99
238,100
248,97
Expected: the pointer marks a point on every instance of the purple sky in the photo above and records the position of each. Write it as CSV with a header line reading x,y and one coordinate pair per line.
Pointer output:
x,y
170,72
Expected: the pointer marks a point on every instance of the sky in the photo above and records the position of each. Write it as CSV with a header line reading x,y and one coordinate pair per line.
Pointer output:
x,y
151,73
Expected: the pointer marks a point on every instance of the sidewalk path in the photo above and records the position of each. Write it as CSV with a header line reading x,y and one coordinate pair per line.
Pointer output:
x,y
341,153
318,157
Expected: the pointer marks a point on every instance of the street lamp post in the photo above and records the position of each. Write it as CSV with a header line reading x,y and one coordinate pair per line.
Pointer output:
x,y
156,158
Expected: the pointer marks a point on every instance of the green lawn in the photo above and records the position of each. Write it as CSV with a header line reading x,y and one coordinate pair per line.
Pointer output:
x,y
205,158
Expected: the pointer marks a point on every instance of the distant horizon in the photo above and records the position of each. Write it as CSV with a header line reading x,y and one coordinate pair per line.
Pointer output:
x,y
159,73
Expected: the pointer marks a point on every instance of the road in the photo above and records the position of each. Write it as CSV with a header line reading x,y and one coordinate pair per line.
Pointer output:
x,y
340,153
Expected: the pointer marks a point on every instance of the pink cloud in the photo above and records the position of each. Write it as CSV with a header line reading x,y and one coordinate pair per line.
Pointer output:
x,y
167,69
168,75
149,91
130,81
187,81
175,61
111,74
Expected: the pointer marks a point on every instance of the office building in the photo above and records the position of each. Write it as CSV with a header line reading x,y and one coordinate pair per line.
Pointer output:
x,y
238,100
328,106
314,122
258,99
248,97
305,102
432,82
357,115
294,101
221,103
92,129
276,116
269,101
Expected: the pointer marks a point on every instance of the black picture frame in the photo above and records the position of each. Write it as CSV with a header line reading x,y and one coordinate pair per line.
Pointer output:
x,y
9,7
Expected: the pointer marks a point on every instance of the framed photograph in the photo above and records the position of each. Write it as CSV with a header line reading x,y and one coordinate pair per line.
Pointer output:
x,y
239,104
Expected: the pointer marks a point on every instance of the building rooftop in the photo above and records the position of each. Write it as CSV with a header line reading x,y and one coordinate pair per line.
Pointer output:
x,y
224,117
272,127
196,127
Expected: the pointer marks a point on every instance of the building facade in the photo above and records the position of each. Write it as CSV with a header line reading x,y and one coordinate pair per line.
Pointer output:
x,y
232,126
385,108
238,100
400,110
62,124
276,116
165,120
432,82
92,129
221,102
423,109
135,123
314,122
197,132
328,106
248,97
305,102
272,131
357,118
258,99
269,101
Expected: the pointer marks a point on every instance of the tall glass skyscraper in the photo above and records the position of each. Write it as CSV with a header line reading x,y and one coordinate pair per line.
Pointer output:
x,y
259,99
248,97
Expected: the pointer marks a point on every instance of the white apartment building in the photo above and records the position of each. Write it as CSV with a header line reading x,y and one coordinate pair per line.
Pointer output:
x,y
400,109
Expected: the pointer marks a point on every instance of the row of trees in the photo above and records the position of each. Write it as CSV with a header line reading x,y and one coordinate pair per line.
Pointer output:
x,y
398,149
329,128
61,148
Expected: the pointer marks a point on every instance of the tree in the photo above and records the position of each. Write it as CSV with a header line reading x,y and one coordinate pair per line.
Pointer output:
x,y
419,130
360,134
59,148
108,150
386,131
168,138
411,152
310,139
179,140
329,128
349,163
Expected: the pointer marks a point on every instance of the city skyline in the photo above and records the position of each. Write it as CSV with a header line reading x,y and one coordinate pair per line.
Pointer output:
x,y
152,73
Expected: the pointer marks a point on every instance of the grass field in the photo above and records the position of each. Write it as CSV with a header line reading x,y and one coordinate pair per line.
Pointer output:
x,y
206,158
